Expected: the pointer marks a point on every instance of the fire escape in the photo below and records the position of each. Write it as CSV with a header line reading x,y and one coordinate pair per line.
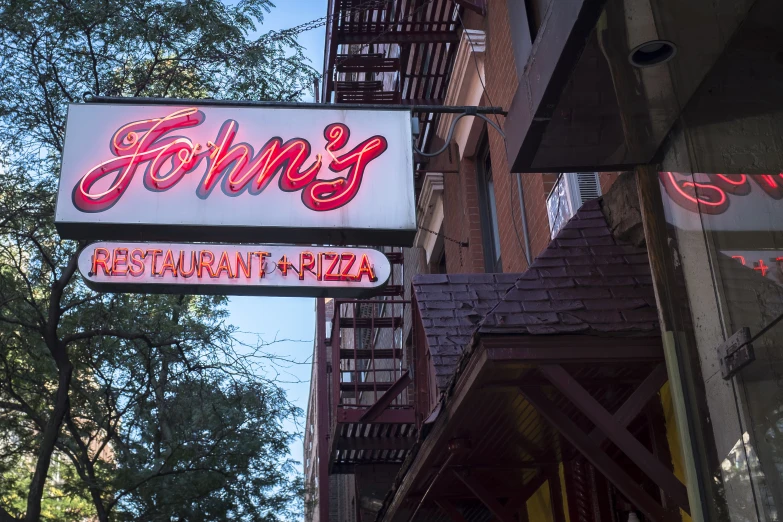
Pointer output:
x,y
389,52
372,416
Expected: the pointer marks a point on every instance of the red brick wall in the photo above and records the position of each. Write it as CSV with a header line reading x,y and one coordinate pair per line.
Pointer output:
x,y
462,221
462,218
607,179
501,82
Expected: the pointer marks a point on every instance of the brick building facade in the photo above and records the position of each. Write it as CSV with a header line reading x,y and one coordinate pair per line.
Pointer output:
x,y
517,367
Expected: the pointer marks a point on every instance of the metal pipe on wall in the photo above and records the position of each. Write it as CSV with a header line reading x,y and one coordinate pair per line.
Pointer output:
x,y
322,412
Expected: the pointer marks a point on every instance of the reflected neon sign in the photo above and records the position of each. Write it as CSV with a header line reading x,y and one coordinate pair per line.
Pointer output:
x,y
712,193
766,263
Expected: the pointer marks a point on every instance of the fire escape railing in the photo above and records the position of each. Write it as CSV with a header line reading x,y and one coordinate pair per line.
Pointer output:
x,y
368,357
391,52
380,52
372,417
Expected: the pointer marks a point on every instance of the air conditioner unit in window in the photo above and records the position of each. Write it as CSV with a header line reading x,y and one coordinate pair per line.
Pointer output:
x,y
570,192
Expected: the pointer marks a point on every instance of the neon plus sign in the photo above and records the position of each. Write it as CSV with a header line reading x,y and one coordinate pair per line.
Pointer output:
x,y
759,266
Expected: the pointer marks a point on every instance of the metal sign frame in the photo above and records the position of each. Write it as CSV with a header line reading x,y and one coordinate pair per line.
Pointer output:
x,y
238,173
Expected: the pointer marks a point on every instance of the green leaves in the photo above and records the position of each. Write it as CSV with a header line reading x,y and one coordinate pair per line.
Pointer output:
x,y
168,416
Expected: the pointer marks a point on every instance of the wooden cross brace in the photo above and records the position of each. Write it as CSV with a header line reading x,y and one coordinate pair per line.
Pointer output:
x,y
614,428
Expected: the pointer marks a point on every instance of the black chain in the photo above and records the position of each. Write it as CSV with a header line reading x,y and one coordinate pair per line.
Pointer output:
x,y
318,22
463,244
460,244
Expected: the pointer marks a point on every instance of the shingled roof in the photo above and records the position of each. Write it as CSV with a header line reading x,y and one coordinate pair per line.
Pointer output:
x,y
585,282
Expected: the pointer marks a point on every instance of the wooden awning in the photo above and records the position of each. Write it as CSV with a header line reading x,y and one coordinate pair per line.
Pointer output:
x,y
522,406
534,370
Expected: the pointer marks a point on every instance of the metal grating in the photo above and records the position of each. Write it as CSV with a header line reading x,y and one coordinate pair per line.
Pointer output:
x,y
369,361
406,45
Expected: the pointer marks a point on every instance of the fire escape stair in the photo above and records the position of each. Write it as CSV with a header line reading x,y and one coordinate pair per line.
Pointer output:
x,y
371,322
371,97
373,85
364,63
374,420
377,353
365,386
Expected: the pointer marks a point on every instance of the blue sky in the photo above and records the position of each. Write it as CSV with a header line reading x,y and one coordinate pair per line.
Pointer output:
x,y
287,317
290,13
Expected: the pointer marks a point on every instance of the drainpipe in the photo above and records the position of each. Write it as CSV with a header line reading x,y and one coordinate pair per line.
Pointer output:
x,y
525,235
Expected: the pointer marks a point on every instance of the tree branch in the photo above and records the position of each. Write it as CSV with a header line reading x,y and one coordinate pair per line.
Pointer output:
x,y
120,334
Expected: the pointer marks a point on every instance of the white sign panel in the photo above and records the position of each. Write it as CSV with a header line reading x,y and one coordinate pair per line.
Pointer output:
x,y
219,173
234,269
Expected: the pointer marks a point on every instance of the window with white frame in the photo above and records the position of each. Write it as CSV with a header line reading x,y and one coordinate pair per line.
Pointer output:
x,y
570,192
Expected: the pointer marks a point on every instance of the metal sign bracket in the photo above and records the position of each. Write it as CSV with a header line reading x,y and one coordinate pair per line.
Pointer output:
x,y
735,353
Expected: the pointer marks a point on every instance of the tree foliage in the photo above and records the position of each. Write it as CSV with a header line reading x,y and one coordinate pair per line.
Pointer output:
x,y
148,406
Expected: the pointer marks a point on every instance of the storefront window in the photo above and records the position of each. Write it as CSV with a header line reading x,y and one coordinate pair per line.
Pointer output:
x,y
728,237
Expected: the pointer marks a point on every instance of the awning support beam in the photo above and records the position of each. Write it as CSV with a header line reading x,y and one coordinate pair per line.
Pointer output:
x,y
608,467
634,405
617,433
515,504
556,494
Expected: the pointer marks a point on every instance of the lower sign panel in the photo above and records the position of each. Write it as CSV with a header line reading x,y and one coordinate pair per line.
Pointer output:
x,y
234,269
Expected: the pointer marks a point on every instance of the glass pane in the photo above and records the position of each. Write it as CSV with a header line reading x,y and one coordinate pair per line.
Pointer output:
x,y
729,230
558,209
494,217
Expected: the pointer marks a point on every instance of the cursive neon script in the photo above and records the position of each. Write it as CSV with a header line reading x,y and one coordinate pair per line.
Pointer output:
x,y
712,195
235,166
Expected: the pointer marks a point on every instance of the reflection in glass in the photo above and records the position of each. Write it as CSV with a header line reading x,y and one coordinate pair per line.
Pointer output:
x,y
737,221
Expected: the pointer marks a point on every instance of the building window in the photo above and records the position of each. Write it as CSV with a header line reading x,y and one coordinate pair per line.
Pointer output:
x,y
488,210
438,264
570,191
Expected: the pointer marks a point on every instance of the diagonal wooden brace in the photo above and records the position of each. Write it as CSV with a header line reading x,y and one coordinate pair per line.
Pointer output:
x,y
582,442
617,433
387,398
634,405
518,502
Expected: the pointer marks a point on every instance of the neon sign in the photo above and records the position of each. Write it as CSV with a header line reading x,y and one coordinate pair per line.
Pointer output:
x,y
151,142
713,192
229,173
233,269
